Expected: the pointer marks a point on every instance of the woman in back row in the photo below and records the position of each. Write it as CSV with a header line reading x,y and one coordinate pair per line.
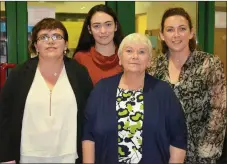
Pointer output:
x,y
98,44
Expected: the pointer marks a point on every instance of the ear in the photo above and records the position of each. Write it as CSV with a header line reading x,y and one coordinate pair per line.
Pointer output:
x,y
119,60
161,36
149,61
35,45
66,45
115,27
192,33
89,29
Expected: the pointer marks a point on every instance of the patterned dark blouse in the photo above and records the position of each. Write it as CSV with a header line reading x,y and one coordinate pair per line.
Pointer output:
x,y
201,90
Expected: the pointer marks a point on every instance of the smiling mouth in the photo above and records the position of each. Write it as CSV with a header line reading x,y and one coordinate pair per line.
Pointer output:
x,y
103,37
177,42
51,48
134,63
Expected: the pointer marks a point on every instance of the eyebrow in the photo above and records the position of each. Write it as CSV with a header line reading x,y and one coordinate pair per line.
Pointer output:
x,y
178,26
104,22
48,35
143,48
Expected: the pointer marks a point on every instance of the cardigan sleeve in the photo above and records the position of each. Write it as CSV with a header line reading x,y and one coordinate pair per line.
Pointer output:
x,y
6,98
176,121
90,112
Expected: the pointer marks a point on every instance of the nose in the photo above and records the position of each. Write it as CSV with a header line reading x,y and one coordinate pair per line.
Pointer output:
x,y
176,33
135,55
50,40
103,29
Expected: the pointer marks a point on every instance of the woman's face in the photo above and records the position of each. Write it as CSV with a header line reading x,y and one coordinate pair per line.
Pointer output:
x,y
50,43
135,57
176,33
102,28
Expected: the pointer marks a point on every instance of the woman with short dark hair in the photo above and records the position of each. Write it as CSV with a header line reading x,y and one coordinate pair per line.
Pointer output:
x,y
42,101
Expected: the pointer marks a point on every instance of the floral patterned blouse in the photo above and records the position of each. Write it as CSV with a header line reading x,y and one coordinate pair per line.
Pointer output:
x,y
130,113
201,90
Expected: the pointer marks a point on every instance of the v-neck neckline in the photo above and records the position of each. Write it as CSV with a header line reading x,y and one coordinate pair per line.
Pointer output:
x,y
45,83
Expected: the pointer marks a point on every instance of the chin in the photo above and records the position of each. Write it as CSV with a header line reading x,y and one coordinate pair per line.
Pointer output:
x,y
54,55
105,43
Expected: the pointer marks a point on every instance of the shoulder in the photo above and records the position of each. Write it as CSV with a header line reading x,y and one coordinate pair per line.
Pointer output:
x,y
158,87
205,56
209,61
74,65
20,68
81,54
157,83
109,81
156,63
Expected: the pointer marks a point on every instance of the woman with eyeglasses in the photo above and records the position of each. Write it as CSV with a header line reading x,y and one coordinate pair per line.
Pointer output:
x,y
42,100
98,44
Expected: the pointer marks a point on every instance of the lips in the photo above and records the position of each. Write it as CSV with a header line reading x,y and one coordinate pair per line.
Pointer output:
x,y
103,37
50,48
177,41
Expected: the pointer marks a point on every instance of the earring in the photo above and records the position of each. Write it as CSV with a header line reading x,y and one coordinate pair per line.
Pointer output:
x,y
65,52
37,53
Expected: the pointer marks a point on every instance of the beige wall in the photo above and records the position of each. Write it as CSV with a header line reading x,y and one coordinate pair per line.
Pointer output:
x,y
67,7
141,7
157,9
2,5
63,7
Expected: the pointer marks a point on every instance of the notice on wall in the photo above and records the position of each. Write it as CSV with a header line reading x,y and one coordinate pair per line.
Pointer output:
x,y
74,30
35,14
220,19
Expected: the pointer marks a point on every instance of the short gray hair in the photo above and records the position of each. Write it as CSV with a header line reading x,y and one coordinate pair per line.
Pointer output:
x,y
135,38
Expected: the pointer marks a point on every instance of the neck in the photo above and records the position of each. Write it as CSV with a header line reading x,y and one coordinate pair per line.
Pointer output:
x,y
105,50
132,81
50,65
179,57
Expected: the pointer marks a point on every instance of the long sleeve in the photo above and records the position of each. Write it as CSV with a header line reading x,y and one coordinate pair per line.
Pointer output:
x,y
211,143
90,113
6,99
176,121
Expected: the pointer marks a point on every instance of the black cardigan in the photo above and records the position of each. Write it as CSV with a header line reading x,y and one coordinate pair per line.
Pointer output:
x,y
13,97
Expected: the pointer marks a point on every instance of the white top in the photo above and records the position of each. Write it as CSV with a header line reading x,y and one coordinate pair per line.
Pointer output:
x,y
49,127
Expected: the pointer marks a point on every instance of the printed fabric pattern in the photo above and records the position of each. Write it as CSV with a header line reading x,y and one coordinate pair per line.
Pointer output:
x,y
130,112
201,90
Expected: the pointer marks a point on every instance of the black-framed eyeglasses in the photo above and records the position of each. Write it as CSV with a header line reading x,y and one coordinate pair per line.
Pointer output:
x,y
54,37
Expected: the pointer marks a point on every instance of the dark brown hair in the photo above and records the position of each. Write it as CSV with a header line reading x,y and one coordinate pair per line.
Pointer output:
x,y
181,12
46,24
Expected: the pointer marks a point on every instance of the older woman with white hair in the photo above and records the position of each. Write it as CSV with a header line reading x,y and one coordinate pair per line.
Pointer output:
x,y
133,117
